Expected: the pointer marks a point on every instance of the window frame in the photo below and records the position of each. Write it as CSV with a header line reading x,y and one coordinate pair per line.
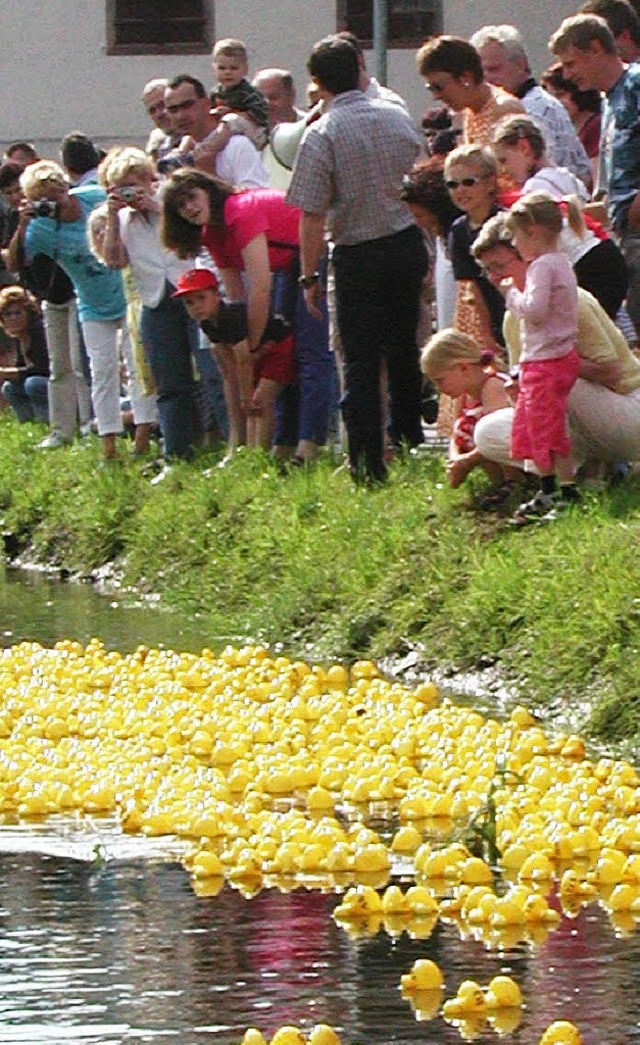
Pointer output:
x,y
399,43
203,47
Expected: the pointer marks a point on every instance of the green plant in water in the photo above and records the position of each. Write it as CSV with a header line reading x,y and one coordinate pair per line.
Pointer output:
x,y
481,833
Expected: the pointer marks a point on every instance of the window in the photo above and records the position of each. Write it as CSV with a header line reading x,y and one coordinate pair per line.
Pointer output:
x,y
159,26
409,22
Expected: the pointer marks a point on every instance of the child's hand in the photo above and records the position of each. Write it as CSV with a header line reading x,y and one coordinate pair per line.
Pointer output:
x,y
457,471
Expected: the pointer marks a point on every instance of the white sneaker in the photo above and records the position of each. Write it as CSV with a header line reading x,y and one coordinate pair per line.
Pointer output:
x,y
162,475
53,441
544,506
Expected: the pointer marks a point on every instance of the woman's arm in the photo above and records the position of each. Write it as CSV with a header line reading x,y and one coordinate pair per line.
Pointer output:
x,y
113,249
234,289
256,262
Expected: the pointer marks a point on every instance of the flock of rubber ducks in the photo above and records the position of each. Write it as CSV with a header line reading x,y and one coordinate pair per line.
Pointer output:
x,y
270,770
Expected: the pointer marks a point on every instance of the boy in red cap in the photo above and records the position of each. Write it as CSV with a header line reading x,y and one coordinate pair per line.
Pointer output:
x,y
254,380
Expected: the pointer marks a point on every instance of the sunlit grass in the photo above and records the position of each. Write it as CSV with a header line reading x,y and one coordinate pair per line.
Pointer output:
x,y
308,560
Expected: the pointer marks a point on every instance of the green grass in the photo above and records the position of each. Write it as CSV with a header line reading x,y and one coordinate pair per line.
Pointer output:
x,y
333,571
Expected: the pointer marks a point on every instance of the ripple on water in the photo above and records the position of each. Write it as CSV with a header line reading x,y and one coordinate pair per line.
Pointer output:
x,y
126,952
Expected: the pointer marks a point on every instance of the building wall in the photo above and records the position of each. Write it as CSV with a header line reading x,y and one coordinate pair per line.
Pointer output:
x,y
56,75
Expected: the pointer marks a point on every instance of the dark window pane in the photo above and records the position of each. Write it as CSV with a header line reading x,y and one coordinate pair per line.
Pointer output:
x,y
156,25
409,22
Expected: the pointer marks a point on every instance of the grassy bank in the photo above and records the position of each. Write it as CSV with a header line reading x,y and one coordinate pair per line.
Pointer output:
x,y
332,571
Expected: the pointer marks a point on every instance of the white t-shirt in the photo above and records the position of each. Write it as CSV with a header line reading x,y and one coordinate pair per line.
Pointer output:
x,y
151,265
240,163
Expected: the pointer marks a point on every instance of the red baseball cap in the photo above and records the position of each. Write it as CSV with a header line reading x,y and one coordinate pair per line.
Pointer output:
x,y
195,279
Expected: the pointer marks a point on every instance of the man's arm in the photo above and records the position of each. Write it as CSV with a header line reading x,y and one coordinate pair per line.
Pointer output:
x,y
312,249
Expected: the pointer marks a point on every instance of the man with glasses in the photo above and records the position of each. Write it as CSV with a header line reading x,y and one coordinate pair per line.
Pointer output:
x,y
187,104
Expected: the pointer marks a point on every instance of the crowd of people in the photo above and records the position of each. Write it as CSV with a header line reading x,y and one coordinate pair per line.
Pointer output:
x,y
258,263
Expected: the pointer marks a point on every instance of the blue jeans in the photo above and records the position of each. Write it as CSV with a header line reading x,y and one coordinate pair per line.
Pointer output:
x,y
210,394
304,409
169,338
29,399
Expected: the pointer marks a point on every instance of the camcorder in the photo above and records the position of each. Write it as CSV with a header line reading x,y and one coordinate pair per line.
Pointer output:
x,y
45,209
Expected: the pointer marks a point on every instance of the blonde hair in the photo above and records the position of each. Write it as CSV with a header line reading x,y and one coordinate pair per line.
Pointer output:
x,y
539,208
449,347
229,48
122,161
96,228
478,156
35,178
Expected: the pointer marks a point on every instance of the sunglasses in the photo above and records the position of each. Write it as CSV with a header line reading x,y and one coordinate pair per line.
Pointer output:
x,y
181,106
466,183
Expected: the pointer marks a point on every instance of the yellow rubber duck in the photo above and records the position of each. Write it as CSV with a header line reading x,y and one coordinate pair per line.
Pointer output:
x,y
561,1033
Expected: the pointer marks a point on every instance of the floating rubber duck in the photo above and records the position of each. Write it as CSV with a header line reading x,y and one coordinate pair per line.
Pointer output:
x,y
469,1001
561,1033
425,975
503,993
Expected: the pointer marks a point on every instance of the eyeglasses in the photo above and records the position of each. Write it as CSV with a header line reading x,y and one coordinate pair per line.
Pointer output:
x,y
181,106
466,183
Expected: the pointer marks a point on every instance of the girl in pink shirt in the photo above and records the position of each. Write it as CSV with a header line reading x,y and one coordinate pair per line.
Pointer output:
x,y
548,365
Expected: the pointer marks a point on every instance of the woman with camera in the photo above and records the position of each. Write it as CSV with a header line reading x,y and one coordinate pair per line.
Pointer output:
x,y
56,220
169,336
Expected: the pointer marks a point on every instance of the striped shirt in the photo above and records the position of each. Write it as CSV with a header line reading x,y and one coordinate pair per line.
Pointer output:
x,y
351,163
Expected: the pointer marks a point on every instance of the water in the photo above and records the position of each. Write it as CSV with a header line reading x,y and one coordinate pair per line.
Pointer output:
x,y
123,950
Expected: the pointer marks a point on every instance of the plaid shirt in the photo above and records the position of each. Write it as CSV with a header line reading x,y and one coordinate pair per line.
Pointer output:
x,y
351,163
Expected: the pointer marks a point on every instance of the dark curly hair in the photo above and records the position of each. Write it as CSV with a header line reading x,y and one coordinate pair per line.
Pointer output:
x,y
424,186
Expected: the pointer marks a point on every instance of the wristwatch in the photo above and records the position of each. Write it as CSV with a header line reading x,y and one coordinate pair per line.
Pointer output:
x,y
307,281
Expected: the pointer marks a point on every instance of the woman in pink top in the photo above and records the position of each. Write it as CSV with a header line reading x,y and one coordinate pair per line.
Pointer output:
x,y
252,236
549,362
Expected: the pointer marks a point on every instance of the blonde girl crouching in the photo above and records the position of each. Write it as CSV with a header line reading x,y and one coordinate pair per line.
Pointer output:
x,y
460,368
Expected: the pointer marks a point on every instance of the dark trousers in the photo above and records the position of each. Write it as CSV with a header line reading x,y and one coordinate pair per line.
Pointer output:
x,y
378,287
169,337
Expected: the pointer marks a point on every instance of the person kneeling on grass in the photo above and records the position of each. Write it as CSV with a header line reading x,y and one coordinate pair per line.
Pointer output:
x,y
254,379
460,368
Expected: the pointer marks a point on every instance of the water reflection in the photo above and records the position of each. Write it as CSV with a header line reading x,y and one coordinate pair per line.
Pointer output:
x,y
127,952
35,608
124,951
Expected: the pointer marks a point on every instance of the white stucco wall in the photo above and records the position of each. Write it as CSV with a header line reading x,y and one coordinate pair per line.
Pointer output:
x,y
56,76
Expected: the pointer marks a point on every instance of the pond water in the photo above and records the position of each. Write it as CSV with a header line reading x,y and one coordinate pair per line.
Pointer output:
x,y
123,950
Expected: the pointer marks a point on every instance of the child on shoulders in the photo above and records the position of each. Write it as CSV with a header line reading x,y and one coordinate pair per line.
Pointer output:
x,y
242,108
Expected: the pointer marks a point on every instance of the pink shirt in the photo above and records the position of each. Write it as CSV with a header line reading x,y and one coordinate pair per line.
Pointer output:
x,y
547,308
247,215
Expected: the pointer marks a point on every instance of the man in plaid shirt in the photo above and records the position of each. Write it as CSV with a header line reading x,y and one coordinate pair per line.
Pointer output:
x,y
349,169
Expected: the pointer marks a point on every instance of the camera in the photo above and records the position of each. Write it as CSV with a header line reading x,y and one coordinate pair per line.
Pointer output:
x,y
128,193
45,209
